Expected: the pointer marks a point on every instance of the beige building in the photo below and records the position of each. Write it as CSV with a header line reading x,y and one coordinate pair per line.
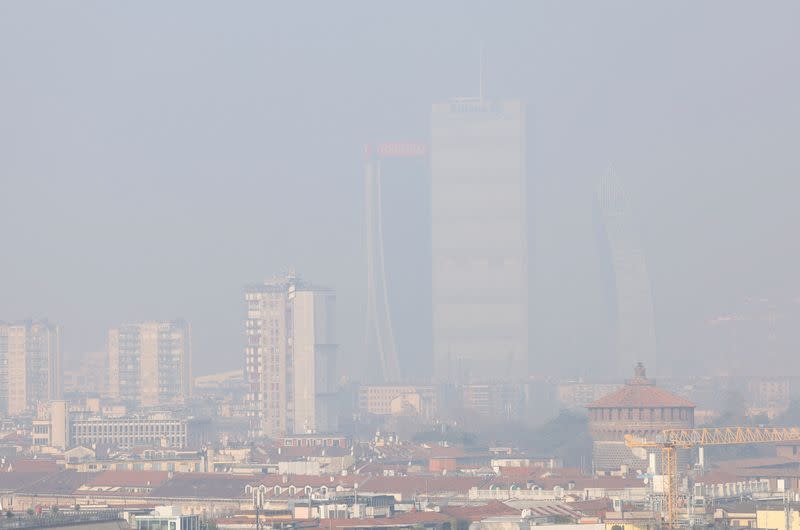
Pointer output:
x,y
290,355
30,366
149,364
397,400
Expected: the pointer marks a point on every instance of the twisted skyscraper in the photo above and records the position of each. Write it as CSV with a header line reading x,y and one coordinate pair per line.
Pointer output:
x,y
635,339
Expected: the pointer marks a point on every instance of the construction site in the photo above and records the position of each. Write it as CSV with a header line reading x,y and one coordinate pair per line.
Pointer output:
x,y
643,431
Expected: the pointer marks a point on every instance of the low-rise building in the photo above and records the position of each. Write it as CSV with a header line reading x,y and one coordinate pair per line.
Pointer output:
x,y
167,518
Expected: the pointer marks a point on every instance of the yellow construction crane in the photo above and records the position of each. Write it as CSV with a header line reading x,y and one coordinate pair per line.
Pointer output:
x,y
671,439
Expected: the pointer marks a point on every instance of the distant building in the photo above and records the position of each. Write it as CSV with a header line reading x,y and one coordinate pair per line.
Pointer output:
x,y
290,357
129,431
635,338
397,400
768,395
398,252
315,440
639,408
30,365
499,400
64,429
149,364
578,395
90,375
479,239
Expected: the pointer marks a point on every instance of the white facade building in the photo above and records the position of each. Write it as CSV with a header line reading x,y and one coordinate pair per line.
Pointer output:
x,y
479,236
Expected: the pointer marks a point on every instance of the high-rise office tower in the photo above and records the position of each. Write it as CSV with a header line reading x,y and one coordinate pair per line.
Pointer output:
x,y
398,248
479,233
30,365
635,336
150,363
290,355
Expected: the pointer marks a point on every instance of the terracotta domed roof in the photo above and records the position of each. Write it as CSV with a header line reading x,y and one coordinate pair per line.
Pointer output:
x,y
640,396
640,392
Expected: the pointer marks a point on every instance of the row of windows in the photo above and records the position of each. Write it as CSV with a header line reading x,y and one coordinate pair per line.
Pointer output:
x,y
673,413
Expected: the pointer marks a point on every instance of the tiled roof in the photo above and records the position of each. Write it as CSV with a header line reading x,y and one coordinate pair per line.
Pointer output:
x,y
640,395
59,483
476,513
204,486
408,519
419,484
30,464
597,507
16,480
554,510
129,478
222,486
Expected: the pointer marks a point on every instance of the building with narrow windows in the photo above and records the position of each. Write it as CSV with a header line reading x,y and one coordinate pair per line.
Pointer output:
x,y
30,365
128,431
479,240
290,356
149,364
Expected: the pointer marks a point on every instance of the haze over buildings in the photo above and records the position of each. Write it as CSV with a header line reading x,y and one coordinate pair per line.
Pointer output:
x,y
252,112
479,232
484,298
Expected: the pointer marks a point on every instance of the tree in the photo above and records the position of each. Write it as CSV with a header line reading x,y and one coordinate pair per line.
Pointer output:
x,y
566,436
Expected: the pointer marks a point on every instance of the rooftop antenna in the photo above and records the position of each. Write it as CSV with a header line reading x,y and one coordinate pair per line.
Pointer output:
x,y
480,74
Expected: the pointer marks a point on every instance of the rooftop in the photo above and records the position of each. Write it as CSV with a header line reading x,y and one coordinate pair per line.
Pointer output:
x,y
640,392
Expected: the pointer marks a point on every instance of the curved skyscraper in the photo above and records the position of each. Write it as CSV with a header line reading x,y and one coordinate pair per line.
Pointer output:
x,y
397,229
635,338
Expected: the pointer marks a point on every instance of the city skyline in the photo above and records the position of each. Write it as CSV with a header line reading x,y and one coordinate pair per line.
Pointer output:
x,y
420,266
200,204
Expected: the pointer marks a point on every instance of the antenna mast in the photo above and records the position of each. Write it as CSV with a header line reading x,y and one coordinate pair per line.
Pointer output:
x,y
480,72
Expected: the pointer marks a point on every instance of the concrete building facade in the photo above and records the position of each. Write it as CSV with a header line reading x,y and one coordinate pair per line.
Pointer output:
x,y
479,240
149,364
290,356
398,400
128,431
30,365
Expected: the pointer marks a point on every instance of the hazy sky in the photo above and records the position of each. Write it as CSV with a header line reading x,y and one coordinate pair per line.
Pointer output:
x,y
157,156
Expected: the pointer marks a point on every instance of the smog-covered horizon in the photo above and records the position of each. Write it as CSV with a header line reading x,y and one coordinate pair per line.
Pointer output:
x,y
598,184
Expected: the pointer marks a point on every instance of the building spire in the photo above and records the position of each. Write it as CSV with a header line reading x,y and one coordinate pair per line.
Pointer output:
x,y
480,72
